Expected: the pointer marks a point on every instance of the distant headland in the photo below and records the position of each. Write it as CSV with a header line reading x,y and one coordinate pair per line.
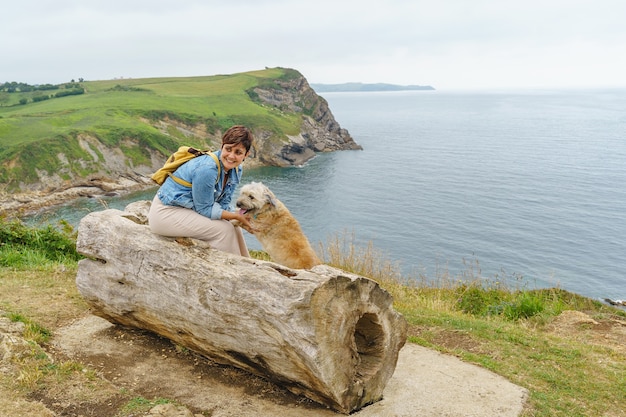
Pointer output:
x,y
329,88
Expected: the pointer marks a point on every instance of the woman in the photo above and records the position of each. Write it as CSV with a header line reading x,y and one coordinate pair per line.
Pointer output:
x,y
202,211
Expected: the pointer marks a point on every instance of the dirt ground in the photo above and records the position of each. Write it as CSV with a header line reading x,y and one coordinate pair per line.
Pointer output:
x,y
131,363
144,364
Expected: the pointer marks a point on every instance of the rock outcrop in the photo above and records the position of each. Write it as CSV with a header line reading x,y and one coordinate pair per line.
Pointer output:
x,y
320,132
331,336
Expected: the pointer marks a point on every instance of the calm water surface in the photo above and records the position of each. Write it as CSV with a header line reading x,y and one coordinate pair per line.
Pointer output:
x,y
528,185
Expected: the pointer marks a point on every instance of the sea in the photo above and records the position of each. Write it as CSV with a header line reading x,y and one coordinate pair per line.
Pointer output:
x,y
526,186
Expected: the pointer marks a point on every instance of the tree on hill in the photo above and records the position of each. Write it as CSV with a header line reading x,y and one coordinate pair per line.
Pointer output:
x,y
15,87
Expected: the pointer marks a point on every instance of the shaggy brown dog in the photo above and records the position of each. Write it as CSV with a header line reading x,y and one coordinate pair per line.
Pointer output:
x,y
274,226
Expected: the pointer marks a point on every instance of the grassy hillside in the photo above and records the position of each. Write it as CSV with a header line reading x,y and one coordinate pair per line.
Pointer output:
x,y
123,113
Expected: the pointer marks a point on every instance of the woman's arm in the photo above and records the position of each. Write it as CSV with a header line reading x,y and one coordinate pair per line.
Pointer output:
x,y
204,175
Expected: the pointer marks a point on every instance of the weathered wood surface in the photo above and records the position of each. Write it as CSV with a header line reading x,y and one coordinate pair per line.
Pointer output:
x,y
331,336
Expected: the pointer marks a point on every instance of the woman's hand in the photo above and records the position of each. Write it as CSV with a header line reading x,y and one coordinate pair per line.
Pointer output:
x,y
239,219
245,222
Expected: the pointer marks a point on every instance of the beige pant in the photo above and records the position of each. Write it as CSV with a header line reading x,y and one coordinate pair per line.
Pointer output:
x,y
176,221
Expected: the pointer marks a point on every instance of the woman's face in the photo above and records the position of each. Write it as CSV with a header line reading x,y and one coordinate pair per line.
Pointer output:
x,y
233,155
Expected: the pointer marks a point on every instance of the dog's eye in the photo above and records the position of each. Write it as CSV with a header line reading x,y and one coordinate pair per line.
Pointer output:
x,y
251,197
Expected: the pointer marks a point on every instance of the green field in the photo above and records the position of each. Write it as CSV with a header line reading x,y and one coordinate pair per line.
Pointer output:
x,y
33,133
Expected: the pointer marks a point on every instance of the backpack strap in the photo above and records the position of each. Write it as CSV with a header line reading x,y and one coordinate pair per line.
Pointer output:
x,y
187,183
179,180
217,162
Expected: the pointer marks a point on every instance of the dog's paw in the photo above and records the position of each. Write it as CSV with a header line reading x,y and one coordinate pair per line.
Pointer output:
x,y
237,223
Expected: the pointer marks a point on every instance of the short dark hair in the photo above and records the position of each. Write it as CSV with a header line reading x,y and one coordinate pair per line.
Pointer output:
x,y
238,134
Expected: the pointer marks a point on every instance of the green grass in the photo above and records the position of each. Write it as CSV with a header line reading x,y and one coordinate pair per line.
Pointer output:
x,y
33,331
103,105
22,246
35,365
34,134
138,405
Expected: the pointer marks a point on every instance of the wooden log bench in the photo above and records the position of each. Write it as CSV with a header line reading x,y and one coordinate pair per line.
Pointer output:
x,y
331,336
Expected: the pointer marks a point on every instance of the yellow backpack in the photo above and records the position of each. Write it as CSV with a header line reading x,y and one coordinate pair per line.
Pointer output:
x,y
182,155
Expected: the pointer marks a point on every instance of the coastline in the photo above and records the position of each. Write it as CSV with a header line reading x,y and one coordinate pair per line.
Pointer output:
x,y
18,206
26,203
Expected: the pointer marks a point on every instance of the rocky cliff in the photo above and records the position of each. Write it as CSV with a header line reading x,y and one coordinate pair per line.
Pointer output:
x,y
320,132
94,166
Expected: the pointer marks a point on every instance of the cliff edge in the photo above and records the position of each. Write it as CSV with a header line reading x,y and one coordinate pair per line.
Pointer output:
x,y
291,123
320,132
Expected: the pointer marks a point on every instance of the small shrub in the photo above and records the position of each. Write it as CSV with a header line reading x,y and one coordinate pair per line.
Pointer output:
x,y
477,300
527,305
23,245
37,333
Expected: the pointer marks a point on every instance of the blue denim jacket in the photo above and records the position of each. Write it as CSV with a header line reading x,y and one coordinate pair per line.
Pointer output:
x,y
205,195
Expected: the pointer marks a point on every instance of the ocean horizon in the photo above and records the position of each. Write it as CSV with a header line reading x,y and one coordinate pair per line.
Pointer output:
x,y
523,185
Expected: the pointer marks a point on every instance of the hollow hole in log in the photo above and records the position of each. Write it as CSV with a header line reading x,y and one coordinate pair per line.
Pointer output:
x,y
369,338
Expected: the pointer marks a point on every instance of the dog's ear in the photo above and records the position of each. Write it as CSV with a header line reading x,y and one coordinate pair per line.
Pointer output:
x,y
270,198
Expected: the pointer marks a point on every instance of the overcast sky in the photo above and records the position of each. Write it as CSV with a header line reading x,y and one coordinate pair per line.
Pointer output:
x,y
448,44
